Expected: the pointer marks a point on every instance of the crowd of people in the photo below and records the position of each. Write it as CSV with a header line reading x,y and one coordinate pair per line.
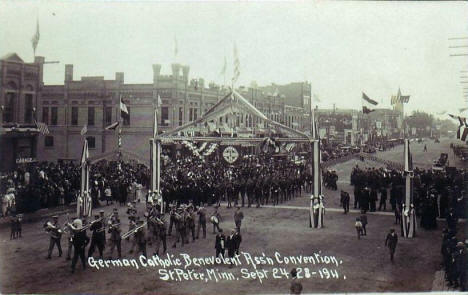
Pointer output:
x,y
48,185
434,192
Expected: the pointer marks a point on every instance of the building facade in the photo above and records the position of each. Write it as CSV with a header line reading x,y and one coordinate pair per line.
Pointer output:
x,y
20,92
94,102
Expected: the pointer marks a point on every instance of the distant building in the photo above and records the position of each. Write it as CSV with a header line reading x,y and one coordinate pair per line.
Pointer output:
x,y
20,89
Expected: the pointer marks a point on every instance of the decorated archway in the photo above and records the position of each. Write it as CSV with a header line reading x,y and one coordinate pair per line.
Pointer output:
x,y
231,107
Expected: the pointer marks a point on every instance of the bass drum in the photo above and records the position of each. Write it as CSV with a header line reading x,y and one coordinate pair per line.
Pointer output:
x,y
214,219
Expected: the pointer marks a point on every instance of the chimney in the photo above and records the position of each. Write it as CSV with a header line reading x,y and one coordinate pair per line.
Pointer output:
x,y
119,77
68,73
156,72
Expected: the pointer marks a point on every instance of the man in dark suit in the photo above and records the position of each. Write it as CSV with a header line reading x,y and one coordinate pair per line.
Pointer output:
x,y
80,240
220,243
391,242
231,244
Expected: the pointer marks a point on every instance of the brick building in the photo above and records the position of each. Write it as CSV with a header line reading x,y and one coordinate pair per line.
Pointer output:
x,y
20,92
94,102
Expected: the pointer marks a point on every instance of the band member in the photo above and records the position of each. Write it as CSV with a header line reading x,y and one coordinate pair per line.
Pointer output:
x,y
55,235
216,219
160,235
220,243
104,223
115,238
172,220
391,242
180,227
98,238
238,216
131,226
140,238
201,221
69,234
80,240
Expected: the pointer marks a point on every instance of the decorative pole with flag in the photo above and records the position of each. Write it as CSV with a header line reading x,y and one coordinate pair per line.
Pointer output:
x,y
35,38
84,203
317,208
408,215
155,161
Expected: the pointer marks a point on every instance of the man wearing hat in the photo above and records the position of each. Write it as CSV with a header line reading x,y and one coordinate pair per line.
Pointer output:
x,y
238,216
391,242
97,239
80,240
53,229
460,266
296,286
201,221
115,238
140,238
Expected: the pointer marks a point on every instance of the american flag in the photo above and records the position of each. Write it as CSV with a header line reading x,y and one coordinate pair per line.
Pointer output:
x,y
43,129
236,72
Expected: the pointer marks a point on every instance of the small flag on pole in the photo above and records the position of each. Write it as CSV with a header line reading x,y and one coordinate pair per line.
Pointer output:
x,y
84,130
123,108
43,129
368,104
36,37
113,126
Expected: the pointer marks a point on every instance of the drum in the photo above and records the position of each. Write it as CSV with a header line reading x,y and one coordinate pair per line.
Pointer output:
x,y
214,219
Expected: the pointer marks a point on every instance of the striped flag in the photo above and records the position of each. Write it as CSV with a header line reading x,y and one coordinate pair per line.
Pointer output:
x,y
236,72
36,37
84,130
113,126
368,104
43,128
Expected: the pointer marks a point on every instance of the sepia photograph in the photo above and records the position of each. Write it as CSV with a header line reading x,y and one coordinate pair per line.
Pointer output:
x,y
233,147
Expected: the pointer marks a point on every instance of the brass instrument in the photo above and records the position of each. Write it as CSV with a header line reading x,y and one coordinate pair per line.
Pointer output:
x,y
53,230
133,231
156,221
112,226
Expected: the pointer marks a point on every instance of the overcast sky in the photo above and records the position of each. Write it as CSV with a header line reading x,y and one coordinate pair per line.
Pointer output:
x,y
342,48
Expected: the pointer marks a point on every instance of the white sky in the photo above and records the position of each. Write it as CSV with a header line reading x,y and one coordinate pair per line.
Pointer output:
x,y
342,48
